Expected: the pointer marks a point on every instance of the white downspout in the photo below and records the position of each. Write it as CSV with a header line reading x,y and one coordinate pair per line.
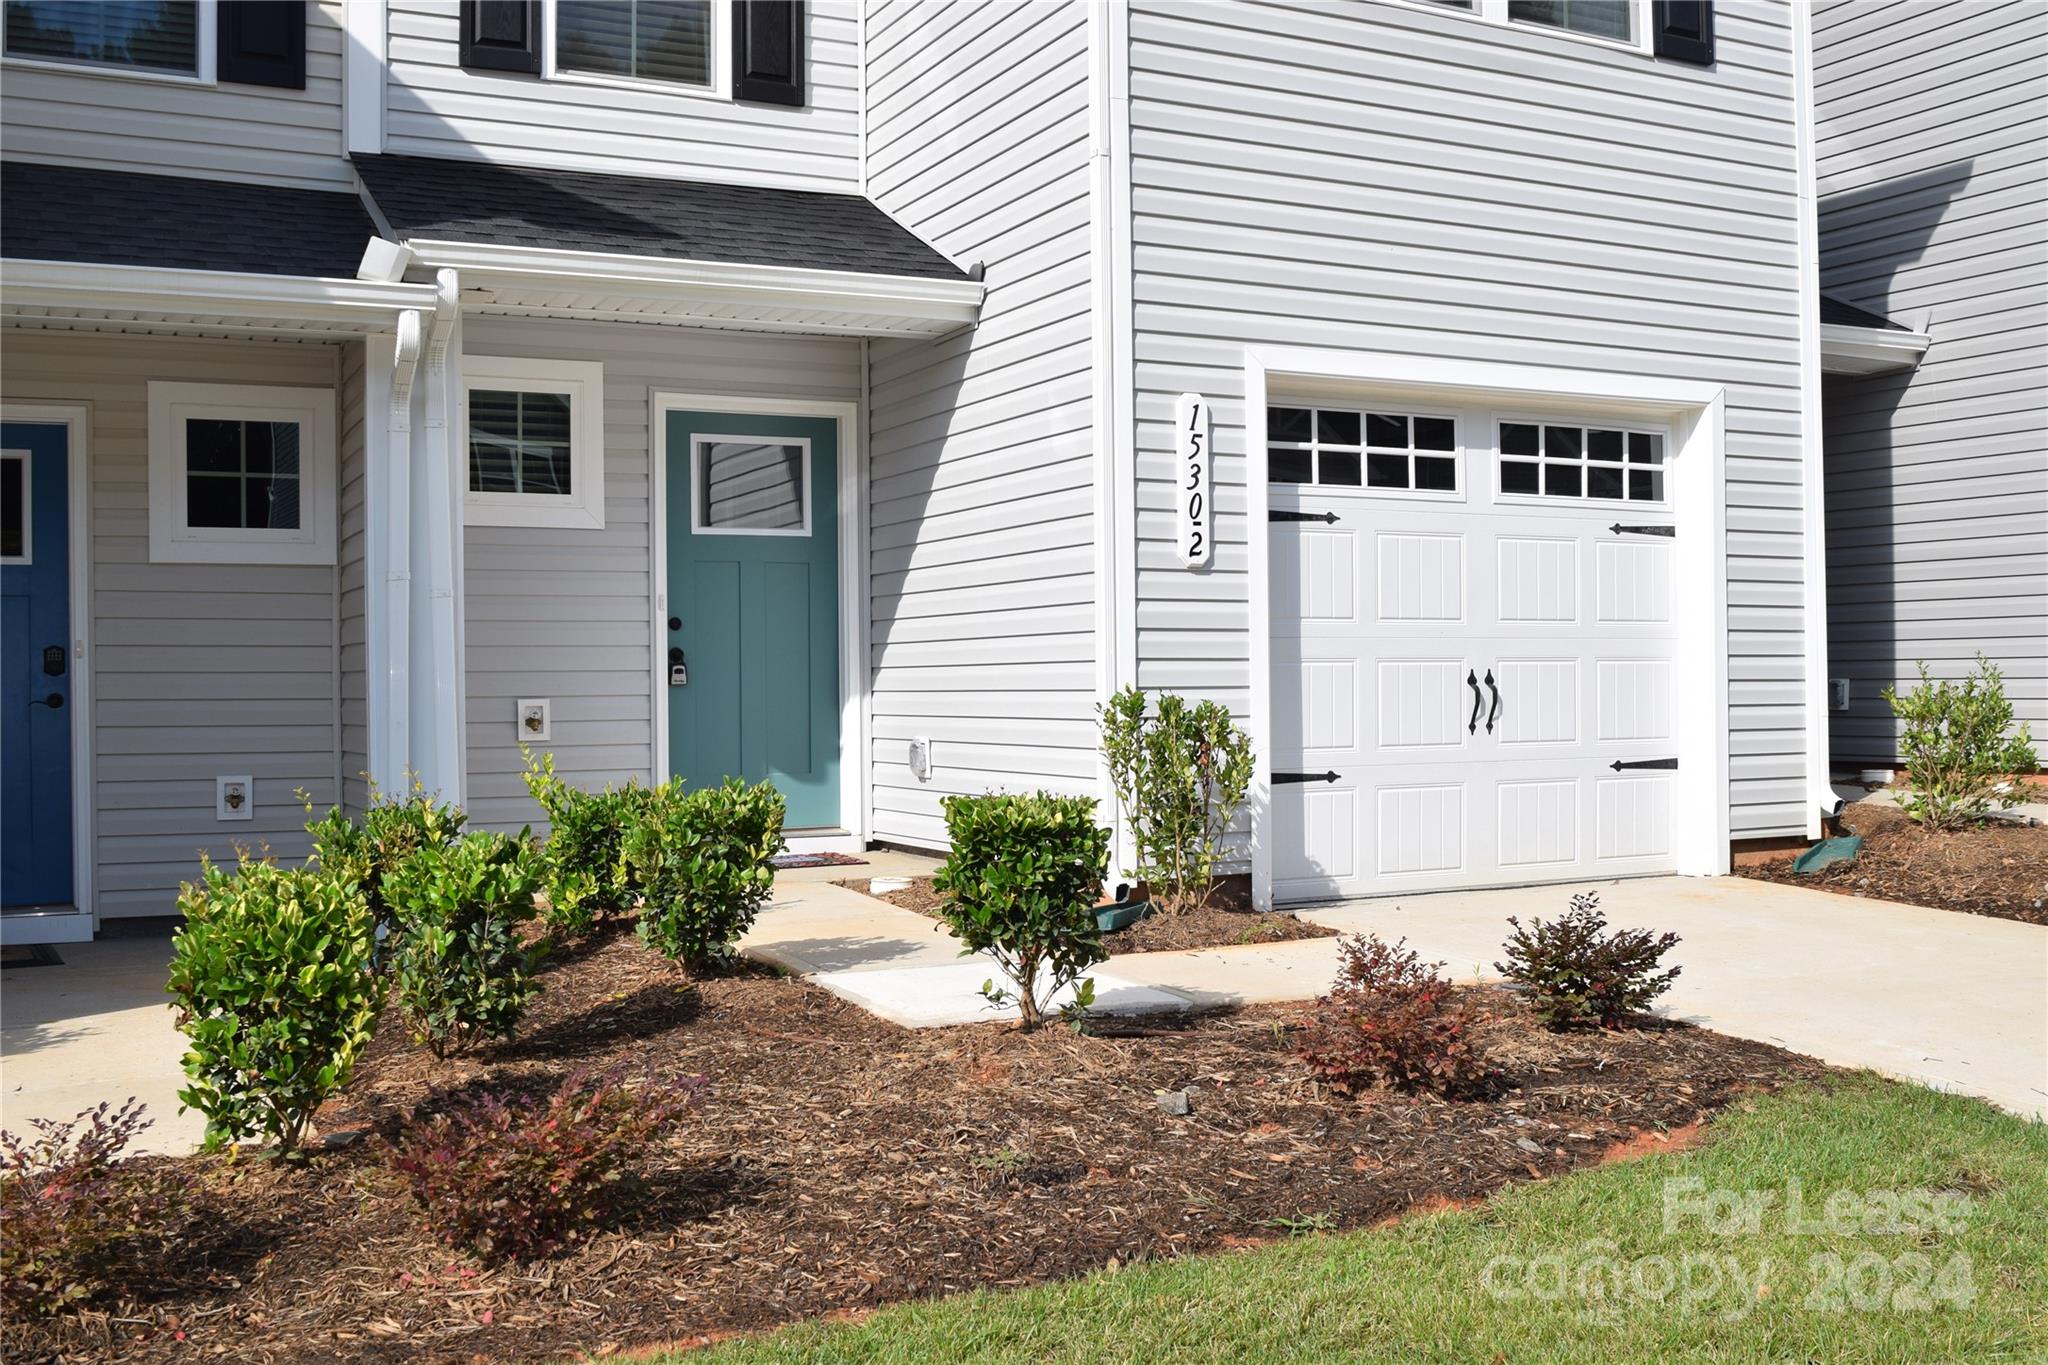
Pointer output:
x,y
436,679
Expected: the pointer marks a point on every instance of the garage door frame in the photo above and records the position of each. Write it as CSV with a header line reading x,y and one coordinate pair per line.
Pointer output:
x,y
1697,490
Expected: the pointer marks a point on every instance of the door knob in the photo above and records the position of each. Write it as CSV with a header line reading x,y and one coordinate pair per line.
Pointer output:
x,y
675,623
675,654
55,701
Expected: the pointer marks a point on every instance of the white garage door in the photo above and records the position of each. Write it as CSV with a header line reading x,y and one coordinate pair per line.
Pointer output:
x,y
1472,650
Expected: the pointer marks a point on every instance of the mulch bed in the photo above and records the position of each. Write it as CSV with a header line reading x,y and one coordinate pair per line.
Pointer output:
x,y
1993,869
1214,926
838,1162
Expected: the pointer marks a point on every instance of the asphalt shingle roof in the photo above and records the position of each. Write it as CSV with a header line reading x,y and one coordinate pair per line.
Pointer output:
x,y
442,199
74,213
1841,313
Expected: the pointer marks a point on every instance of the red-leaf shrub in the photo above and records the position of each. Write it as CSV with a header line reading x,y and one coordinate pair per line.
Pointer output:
x,y
1388,1022
512,1178
72,1209
1578,973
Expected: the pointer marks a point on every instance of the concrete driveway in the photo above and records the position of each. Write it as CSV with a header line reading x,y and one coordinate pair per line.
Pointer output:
x,y
97,1027
1958,1002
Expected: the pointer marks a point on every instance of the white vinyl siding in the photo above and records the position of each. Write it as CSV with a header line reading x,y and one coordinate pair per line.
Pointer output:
x,y
198,670
1396,179
566,613
243,133
436,108
981,487
1931,139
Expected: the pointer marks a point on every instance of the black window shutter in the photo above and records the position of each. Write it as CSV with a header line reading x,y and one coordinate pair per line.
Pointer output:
x,y
501,35
768,51
262,42
1684,30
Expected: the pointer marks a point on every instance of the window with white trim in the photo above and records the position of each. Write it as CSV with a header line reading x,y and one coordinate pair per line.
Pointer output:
x,y
1354,448
1624,23
1562,460
241,474
148,37
660,42
750,485
535,442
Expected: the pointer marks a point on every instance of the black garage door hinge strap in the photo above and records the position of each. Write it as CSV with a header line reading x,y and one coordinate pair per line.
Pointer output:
x,y
1618,765
1282,778
1621,530
1274,514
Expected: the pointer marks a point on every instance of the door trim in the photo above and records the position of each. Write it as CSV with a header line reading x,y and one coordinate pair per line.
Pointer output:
x,y
853,581
76,418
1696,493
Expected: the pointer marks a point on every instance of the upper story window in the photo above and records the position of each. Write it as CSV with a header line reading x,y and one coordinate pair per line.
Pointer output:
x,y
156,37
668,42
1613,19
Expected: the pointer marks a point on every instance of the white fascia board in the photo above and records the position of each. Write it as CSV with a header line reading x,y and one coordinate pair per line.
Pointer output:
x,y
89,286
1869,350
713,283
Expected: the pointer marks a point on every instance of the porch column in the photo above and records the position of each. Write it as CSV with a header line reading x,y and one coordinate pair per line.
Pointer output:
x,y
391,363
439,471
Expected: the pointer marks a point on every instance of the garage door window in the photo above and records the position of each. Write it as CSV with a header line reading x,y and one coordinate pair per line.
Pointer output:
x,y
1354,448
1552,460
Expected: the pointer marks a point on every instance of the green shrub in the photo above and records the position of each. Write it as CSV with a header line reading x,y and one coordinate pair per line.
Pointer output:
x,y
459,967
511,1178
1957,749
76,1217
1388,1022
1021,885
1576,973
271,973
701,858
584,872
1180,777
390,831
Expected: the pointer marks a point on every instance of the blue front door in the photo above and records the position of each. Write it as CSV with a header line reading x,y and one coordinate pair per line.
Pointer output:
x,y
753,605
35,658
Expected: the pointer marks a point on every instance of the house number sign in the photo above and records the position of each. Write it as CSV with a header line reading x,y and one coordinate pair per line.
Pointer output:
x,y
1197,511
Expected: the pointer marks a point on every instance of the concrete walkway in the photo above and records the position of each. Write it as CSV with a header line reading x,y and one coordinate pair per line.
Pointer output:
x,y
1954,1001
98,1027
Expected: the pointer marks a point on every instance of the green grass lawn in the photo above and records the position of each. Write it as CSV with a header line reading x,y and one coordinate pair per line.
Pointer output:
x,y
1963,1275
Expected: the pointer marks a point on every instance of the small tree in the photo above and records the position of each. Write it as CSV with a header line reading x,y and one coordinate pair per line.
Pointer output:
x,y
1020,885
1180,777
702,857
461,970
271,974
1957,749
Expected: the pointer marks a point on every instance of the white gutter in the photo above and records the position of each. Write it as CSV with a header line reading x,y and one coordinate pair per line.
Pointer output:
x,y
439,750
68,288
1869,350
709,284
388,508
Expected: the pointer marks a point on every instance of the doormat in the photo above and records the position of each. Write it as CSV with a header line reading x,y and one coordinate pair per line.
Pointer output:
x,y
785,861
29,955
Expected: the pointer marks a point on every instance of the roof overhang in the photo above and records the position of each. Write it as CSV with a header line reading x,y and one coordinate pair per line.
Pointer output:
x,y
73,294
600,286
1869,350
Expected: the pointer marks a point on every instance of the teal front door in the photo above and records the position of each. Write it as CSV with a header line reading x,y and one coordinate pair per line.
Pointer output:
x,y
753,605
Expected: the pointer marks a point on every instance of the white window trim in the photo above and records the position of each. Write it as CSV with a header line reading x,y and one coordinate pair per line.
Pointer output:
x,y
719,57
28,507
1496,12
582,508
697,509
1665,431
172,541
205,54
